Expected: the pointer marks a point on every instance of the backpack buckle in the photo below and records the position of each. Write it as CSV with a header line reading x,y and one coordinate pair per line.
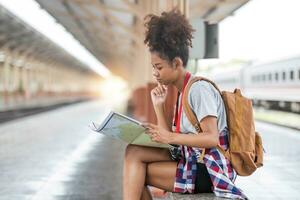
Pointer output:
x,y
197,127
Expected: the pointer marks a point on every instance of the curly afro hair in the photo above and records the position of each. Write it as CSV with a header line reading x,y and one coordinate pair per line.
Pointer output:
x,y
169,35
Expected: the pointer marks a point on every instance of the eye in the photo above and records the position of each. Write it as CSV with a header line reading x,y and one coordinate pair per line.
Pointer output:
x,y
159,68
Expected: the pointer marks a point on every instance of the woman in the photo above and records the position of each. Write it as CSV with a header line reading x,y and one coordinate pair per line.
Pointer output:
x,y
179,169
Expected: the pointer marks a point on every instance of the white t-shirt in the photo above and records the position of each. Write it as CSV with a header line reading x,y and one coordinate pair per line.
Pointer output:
x,y
205,100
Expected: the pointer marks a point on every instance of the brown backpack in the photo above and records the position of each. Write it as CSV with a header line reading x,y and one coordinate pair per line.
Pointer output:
x,y
245,145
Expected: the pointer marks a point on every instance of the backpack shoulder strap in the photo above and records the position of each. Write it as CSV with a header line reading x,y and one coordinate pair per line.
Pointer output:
x,y
190,113
187,109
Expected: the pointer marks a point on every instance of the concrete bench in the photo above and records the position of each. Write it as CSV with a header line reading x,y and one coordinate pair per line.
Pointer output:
x,y
176,196
204,196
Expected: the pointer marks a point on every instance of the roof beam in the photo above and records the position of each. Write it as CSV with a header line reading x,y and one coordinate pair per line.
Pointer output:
x,y
80,25
118,22
104,33
201,8
135,9
223,9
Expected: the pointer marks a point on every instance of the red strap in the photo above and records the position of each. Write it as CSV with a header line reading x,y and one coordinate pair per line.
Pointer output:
x,y
178,114
176,109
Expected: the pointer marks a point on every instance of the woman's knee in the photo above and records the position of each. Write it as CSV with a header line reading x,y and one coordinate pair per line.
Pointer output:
x,y
132,152
146,154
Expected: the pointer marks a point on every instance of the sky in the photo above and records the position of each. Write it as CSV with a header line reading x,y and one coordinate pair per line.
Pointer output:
x,y
261,30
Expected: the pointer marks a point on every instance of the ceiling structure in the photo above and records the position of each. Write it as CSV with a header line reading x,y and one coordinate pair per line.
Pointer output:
x,y
19,38
113,29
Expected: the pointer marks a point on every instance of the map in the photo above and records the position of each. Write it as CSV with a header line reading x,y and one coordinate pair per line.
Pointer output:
x,y
126,129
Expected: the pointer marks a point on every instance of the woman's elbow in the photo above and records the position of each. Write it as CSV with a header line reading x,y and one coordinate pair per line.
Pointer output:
x,y
214,140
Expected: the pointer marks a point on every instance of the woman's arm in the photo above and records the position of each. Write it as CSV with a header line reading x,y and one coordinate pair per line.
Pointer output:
x,y
158,97
207,139
161,118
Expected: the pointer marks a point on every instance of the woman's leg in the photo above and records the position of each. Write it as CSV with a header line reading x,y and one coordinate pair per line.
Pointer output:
x,y
146,194
135,168
161,175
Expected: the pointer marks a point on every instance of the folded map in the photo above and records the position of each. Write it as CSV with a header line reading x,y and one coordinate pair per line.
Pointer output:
x,y
126,129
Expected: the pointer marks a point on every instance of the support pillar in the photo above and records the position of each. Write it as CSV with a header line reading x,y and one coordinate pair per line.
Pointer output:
x,y
6,69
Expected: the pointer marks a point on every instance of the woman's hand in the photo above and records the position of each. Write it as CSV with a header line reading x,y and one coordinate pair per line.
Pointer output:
x,y
158,134
159,95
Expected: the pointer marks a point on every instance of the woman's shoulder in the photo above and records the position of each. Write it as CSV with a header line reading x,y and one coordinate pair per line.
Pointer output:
x,y
201,85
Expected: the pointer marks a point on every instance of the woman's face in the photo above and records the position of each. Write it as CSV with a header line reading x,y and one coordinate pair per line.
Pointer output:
x,y
162,70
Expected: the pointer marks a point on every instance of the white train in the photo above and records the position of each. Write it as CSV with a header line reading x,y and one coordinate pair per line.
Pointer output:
x,y
273,85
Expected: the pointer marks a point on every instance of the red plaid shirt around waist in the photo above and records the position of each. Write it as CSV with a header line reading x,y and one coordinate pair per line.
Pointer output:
x,y
219,168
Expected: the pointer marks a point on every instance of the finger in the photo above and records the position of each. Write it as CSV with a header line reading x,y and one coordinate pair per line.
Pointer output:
x,y
159,84
151,135
153,138
151,126
161,90
158,92
155,91
163,87
152,91
150,132
147,124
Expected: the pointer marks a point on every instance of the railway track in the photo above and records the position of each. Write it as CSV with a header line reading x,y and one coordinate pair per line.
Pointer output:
x,y
280,118
13,114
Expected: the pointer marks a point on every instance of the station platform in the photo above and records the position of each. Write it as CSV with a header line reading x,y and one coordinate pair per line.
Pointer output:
x,y
19,102
54,155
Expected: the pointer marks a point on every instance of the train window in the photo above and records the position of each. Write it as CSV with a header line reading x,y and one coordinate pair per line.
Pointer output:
x,y
292,75
263,77
276,76
299,74
270,77
283,76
